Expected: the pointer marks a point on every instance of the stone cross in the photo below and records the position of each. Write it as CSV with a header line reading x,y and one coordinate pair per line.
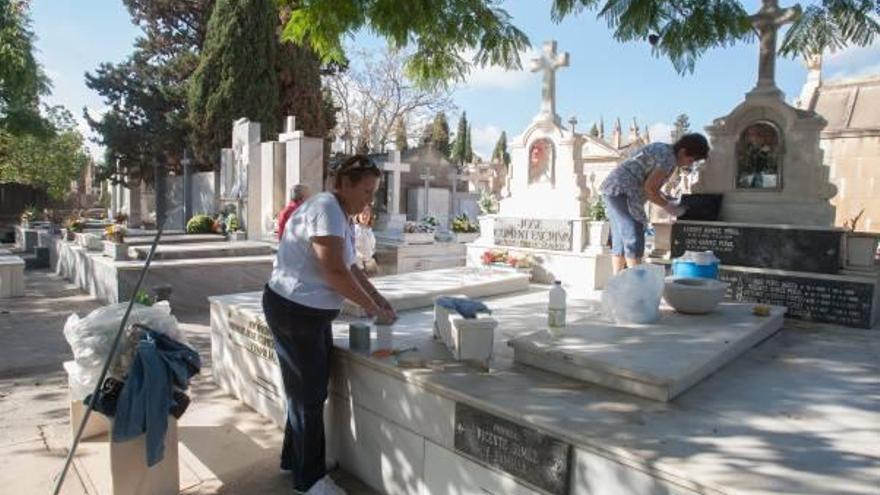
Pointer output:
x,y
427,177
454,178
767,22
573,121
290,133
549,62
396,167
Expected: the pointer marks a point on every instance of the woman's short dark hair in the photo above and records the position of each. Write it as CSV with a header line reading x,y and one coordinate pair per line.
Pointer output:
x,y
695,145
355,167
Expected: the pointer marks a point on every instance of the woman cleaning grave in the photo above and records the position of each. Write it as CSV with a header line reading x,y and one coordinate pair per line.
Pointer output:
x,y
640,178
315,270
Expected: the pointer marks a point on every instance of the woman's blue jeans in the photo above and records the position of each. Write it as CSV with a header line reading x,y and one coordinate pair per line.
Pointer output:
x,y
627,234
303,339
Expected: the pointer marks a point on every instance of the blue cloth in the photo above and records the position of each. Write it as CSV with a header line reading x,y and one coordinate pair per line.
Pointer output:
x,y
628,178
627,233
161,366
467,308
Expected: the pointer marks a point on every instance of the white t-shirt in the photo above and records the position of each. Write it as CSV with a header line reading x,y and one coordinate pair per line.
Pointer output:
x,y
296,274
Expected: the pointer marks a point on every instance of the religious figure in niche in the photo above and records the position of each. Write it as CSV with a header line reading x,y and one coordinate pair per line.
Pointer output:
x,y
540,161
759,157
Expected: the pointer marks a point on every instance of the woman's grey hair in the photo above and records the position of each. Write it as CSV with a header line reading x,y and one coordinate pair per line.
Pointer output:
x,y
299,192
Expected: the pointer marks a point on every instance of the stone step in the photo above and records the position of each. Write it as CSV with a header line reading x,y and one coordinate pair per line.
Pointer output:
x,y
139,240
203,250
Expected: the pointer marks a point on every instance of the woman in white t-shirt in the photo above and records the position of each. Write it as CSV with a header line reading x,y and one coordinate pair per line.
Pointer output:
x,y
365,241
315,270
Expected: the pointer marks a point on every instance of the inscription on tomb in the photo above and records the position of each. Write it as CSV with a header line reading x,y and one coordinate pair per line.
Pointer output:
x,y
531,456
827,301
816,251
252,335
534,233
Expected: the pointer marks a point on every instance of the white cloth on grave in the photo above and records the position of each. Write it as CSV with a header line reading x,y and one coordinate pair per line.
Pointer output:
x,y
364,242
296,275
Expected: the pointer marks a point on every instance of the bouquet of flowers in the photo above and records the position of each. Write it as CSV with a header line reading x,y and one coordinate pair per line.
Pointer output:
x,y
463,224
498,256
115,233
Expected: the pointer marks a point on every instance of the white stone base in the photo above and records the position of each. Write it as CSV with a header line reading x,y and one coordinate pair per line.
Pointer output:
x,y
418,290
192,281
132,476
583,273
658,361
11,276
396,258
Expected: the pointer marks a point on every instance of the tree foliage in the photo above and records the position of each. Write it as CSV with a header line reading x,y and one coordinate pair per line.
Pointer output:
x,y
462,151
440,31
681,126
374,95
146,94
683,30
440,134
22,80
50,160
236,76
38,146
401,142
500,153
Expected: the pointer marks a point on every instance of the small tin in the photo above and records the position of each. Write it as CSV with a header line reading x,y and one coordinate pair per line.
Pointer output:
x,y
359,337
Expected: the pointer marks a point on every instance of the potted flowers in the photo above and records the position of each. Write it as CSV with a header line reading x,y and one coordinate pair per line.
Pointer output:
x,y
114,242
464,229
28,215
599,227
420,232
233,228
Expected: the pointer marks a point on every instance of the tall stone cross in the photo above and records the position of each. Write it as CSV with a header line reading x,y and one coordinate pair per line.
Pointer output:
x,y
427,177
396,167
549,62
767,22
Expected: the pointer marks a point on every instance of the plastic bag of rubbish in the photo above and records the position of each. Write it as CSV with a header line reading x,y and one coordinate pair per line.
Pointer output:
x,y
91,338
633,295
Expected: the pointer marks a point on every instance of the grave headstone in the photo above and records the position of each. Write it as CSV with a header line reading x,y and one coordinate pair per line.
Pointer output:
x,y
246,170
392,219
304,158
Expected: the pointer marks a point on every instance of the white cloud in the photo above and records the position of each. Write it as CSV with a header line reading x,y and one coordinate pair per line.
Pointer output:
x,y
483,140
493,77
853,62
661,132
854,72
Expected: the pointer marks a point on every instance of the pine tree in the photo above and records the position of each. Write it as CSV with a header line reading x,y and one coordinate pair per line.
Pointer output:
x,y
236,76
500,154
458,153
682,126
594,131
440,134
400,140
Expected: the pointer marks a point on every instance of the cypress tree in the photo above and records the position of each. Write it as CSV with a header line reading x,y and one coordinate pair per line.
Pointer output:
x,y
236,76
500,153
458,153
440,134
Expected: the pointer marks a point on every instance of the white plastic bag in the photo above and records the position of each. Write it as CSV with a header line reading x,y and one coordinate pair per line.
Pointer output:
x,y
633,295
91,338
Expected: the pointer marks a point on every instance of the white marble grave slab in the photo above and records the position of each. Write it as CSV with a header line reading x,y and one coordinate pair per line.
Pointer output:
x,y
204,250
11,276
657,361
418,289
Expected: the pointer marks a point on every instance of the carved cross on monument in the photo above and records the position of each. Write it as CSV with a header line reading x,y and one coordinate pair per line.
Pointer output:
x,y
767,22
549,62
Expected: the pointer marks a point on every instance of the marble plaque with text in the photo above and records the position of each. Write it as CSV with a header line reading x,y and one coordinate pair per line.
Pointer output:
x,y
535,233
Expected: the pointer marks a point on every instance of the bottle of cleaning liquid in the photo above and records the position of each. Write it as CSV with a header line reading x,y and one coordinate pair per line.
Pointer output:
x,y
556,307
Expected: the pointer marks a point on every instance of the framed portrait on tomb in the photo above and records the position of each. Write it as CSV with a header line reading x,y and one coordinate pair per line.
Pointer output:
x,y
759,152
541,161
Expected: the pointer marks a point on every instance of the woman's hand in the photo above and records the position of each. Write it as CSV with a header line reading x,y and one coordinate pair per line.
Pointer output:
x,y
675,210
385,316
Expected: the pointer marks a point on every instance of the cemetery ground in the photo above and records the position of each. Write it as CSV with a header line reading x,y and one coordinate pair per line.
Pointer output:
x,y
224,446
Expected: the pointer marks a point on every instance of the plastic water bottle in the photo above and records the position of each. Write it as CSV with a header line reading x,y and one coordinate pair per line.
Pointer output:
x,y
556,307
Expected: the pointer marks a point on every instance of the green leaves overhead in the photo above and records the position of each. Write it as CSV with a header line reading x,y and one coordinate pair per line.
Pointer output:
x,y
832,25
442,32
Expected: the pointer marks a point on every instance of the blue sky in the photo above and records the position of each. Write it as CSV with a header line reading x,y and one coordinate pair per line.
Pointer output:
x,y
605,78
